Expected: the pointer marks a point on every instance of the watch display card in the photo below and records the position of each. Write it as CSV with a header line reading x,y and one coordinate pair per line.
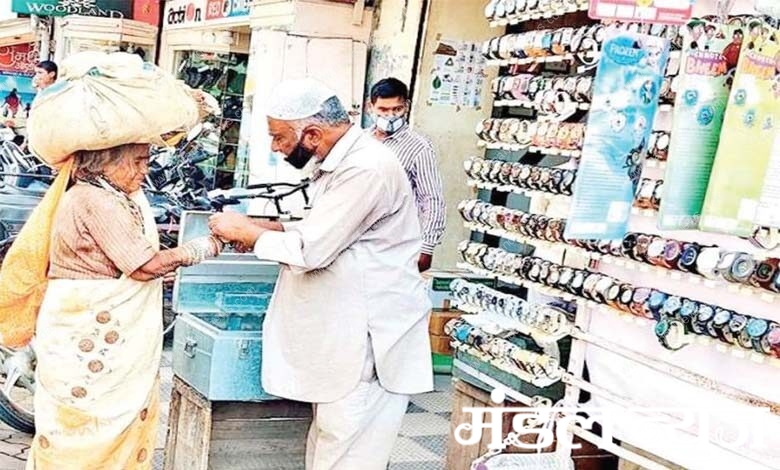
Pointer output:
x,y
710,56
625,100
747,138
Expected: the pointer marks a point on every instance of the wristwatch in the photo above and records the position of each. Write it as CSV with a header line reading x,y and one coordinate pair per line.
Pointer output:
x,y
687,313
639,302
703,317
672,253
718,323
734,330
707,262
671,334
764,273
688,257
589,285
626,297
602,289
655,303
742,268
642,244
577,282
655,252
629,245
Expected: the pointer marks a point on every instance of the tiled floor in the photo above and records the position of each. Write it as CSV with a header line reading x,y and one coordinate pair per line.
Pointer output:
x,y
421,444
422,441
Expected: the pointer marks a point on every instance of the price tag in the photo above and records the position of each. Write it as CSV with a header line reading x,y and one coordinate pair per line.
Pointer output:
x,y
767,297
676,275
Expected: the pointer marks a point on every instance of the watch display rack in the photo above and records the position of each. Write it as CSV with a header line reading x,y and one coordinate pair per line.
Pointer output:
x,y
679,313
223,76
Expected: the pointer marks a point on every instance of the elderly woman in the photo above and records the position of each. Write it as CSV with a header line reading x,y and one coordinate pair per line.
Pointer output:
x,y
98,336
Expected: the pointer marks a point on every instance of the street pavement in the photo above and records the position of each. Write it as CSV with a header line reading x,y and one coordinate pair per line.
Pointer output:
x,y
421,443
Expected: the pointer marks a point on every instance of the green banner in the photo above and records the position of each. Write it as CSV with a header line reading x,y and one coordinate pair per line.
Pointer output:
x,y
747,140
104,8
702,96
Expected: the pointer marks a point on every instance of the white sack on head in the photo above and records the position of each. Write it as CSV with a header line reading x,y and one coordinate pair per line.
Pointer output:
x,y
104,100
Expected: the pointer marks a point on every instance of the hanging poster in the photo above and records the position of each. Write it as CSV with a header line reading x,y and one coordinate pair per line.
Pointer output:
x,y
458,74
710,56
16,95
747,139
649,11
626,91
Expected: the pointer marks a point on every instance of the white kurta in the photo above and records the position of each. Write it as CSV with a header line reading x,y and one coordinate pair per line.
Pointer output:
x,y
350,274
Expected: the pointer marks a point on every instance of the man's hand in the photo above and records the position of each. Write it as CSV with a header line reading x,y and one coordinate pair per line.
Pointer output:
x,y
424,263
235,228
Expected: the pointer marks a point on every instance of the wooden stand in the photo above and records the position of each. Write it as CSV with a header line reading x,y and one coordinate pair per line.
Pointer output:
x,y
459,457
206,435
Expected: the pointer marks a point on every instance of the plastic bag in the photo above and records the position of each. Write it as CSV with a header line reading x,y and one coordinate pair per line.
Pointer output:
x,y
104,100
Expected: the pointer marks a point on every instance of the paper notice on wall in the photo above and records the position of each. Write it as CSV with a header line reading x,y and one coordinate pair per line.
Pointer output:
x,y
458,74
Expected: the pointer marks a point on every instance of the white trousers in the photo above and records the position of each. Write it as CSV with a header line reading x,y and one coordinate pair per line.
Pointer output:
x,y
357,432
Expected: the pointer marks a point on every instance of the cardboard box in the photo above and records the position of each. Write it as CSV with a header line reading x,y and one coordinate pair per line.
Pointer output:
x,y
439,318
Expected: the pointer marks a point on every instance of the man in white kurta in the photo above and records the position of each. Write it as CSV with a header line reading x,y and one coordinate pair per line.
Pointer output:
x,y
347,328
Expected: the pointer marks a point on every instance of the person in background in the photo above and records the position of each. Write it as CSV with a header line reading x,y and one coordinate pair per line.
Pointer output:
x,y
347,327
389,108
46,73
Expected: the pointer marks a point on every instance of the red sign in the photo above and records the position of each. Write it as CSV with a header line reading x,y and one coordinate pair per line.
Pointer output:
x,y
20,58
646,11
147,11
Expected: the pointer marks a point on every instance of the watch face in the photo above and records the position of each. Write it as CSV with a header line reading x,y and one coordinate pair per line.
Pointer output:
x,y
656,249
613,293
626,295
672,251
757,327
743,267
705,313
688,256
688,308
737,323
672,305
722,317
765,271
708,260
656,300
629,244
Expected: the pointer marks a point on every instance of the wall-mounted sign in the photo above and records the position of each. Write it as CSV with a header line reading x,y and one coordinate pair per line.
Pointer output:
x,y
194,13
19,58
147,11
103,8
649,11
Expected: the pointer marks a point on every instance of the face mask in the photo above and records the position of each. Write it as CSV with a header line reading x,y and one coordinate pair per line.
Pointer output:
x,y
390,125
300,156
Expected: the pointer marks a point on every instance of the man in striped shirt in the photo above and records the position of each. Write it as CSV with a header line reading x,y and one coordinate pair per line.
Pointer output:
x,y
389,106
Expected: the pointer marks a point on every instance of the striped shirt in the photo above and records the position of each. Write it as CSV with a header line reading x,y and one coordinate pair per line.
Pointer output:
x,y
418,157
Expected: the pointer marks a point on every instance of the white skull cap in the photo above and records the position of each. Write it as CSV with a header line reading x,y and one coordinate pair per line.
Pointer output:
x,y
298,99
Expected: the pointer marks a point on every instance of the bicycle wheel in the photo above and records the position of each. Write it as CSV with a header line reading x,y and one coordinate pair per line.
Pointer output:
x,y
18,389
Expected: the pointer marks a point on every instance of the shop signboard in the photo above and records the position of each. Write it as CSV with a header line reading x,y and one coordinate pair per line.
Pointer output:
x,y
649,11
196,13
102,8
19,58
147,11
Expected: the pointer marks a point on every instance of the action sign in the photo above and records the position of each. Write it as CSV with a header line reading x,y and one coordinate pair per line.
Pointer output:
x,y
647,11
